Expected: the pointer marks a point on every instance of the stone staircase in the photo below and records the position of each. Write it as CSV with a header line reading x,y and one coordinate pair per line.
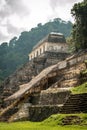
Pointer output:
x,y
76,103
7,115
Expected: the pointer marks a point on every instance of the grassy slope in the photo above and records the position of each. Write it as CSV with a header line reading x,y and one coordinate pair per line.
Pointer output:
x,y
52,123
56,119
80,89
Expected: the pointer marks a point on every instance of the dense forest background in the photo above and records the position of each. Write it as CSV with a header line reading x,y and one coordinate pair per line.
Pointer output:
x,y
15,53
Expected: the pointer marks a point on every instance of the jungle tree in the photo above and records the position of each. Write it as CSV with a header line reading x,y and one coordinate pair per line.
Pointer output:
x,y
79,33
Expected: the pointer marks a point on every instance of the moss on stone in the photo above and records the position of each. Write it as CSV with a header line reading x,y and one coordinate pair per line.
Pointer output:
x,y
80,89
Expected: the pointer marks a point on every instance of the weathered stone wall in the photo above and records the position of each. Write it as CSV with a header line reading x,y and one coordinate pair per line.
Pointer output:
x,y
51,43
70,77
74,104
34,113
57,47
39,113
48,59
22,114
54,97
38,51
21,76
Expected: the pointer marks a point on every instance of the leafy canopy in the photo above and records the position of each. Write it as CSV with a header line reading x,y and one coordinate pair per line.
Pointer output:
x,y
79,12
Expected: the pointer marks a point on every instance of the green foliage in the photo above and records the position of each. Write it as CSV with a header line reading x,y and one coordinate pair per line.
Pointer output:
x,y
49,124
71,44
15,53
0,82
80,89
79,11
57,119
84,71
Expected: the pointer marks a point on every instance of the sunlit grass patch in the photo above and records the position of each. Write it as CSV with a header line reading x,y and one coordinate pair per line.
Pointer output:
x,y
52,123
80,89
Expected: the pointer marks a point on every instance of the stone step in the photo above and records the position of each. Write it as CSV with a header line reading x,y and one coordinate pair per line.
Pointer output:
x,y
9,114
77,96
78,106
75,103
70,75
73,109
69,83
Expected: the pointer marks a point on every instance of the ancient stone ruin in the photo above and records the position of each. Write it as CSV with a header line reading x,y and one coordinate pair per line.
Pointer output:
x,y
43,86
52,43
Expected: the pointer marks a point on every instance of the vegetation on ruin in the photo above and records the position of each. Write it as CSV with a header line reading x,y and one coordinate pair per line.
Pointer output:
x,y
58,119
80,89
54,122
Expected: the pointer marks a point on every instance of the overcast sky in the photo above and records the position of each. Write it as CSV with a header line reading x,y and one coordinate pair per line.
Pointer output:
x,y
20,15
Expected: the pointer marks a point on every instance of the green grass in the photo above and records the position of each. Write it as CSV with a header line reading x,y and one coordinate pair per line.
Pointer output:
x,y
80,89
84,72
56,119
36,126
52,123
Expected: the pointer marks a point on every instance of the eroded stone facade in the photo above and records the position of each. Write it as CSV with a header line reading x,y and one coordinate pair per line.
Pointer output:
x,y
54,42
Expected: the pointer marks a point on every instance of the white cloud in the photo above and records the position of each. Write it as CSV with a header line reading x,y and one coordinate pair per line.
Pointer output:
x,y
3,34
20,15
62,3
